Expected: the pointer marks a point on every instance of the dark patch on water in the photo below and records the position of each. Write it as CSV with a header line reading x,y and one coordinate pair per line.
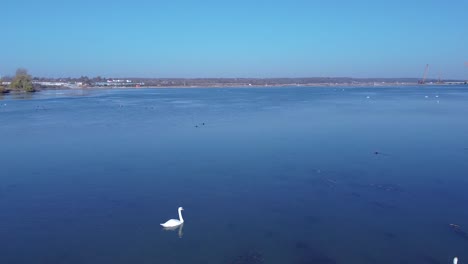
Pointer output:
x,y
389,235
449,195
315,257
109,215
8,189
311,219
369,259
117,202
13,186
301,245
69,220
269,234
382,205
61,257
430,260
249,257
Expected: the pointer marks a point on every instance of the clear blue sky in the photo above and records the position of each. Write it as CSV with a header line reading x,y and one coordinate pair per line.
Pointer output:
x,y
238,38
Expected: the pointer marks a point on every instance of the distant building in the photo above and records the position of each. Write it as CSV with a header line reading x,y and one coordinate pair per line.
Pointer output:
x,y
51,83
455,83
118,82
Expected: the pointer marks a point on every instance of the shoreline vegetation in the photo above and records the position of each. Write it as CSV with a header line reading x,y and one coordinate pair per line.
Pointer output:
x,y
22,82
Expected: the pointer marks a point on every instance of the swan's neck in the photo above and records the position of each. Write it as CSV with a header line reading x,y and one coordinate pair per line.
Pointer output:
x,y
180,216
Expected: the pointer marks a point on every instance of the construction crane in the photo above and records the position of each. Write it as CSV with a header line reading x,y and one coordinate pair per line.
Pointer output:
x,y
423,81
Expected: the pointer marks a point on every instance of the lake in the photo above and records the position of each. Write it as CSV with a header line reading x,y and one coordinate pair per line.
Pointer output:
x,y
266,175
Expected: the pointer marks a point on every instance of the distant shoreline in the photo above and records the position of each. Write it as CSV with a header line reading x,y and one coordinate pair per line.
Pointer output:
x,y
244,86
99,82
342,85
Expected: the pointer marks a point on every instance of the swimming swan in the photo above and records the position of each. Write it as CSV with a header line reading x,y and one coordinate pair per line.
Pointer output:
x,y
175,222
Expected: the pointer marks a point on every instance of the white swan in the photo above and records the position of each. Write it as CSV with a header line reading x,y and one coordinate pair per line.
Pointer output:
x,y
175,222
455,260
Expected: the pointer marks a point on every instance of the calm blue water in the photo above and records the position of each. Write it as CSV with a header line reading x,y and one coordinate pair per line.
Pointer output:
x,y
280,175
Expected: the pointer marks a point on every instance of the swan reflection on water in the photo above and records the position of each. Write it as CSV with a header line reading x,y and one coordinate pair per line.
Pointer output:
x,y
174,228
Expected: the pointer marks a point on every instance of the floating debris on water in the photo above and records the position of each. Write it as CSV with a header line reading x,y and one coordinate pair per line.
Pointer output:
x,y
381,153
329,182
388,187
459,231
40,107
323,181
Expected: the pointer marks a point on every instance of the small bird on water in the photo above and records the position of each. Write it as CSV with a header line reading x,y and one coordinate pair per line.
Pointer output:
x,y
380,153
